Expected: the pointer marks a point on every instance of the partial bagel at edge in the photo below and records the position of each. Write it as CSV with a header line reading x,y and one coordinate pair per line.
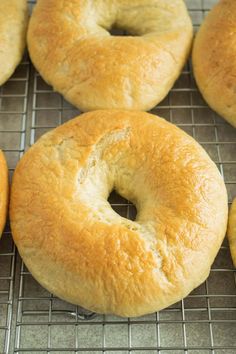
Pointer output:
x,y
13,26
4,191
214,59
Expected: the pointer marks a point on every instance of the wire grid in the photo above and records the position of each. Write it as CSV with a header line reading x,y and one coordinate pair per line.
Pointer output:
x,y
13,107
204,322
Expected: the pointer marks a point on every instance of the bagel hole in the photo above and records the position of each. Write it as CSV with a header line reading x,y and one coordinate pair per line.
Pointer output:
x,y
122,206
115,31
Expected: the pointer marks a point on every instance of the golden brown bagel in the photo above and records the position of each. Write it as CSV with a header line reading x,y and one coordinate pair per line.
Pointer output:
x,y
70,45
13,23
214,59
77,247
3,192
232,231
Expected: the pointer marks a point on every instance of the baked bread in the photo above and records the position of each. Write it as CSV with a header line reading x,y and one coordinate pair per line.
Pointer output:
x,y
3,192
232,231
13,24
214,59
70,45
78,248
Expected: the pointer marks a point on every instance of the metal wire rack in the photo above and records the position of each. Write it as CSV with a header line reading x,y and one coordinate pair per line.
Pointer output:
x,y
13,113
34,321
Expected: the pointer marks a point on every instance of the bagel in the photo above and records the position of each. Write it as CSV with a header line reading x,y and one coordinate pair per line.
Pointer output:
x,y
214,59
70,45
232,231
78,248
13,25
3,192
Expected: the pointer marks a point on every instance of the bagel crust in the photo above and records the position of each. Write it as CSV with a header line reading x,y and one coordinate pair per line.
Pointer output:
x,y
13,24
3,192
78,248
232,231
70,45
214,59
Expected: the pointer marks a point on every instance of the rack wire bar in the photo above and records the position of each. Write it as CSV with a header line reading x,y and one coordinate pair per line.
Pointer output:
x,y
34,321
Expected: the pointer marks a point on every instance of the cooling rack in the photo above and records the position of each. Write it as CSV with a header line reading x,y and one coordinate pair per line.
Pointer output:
x,y
34,321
